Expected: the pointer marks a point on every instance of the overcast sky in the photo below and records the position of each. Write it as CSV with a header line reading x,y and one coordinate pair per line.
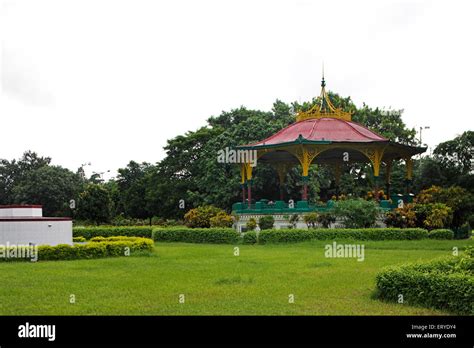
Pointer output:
x,y
110,81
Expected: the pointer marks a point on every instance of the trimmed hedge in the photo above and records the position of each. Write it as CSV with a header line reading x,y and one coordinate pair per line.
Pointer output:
x,y
196,235
446,284
441,234
110,231
116,239
250,237
91,250
299,235
78,239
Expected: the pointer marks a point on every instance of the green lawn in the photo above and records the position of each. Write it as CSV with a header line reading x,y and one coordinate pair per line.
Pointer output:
x,y
214,281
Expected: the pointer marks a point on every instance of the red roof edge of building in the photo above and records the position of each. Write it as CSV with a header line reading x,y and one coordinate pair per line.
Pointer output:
x,y
21,206
28,219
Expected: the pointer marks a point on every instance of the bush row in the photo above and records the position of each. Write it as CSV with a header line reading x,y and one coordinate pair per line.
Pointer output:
x,y
91,250
228,235
196,235
446,284
297,235
441,234
101,239
110,231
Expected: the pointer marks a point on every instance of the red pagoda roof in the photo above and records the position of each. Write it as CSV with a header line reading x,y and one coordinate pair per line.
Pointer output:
x,y
324,124
322,130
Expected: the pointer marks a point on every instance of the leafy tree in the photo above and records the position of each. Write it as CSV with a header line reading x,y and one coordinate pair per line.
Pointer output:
x,y
51,186
116,206
458,153
429,172
132,183
450,165
94,204
15,172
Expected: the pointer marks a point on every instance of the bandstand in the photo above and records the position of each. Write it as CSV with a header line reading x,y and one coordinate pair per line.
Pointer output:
x,y
323,135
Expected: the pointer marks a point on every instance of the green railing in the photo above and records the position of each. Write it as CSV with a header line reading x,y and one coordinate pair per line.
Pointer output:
x,y
280,207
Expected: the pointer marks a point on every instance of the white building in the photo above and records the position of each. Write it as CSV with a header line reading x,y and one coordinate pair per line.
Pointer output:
x,y
25,224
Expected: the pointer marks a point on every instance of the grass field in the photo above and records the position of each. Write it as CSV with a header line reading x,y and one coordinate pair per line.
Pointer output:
x,y
214,281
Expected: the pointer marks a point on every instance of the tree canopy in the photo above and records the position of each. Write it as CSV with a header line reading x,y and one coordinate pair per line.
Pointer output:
x,y
190,175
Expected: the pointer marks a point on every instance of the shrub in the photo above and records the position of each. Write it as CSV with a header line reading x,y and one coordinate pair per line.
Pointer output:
x,y
200,217
293,220
401,217
196,235
266,222
297,235
433,215
83,251
326,219
427,195
250,237
446,284
441,234
460,200
94,204
78,239
222,219
92,250
357,213
109,231
251,224
311,219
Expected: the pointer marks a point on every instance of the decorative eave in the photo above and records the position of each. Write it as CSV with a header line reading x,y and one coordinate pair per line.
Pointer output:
x,y
297,141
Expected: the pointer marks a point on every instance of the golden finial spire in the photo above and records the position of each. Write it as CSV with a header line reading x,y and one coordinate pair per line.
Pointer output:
x,y
324,108
323,83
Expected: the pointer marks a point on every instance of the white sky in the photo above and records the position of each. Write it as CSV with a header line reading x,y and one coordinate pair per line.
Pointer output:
x,y
110,81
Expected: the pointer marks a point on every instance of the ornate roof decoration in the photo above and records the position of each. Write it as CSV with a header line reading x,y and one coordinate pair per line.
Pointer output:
x,y
330,131
324,108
